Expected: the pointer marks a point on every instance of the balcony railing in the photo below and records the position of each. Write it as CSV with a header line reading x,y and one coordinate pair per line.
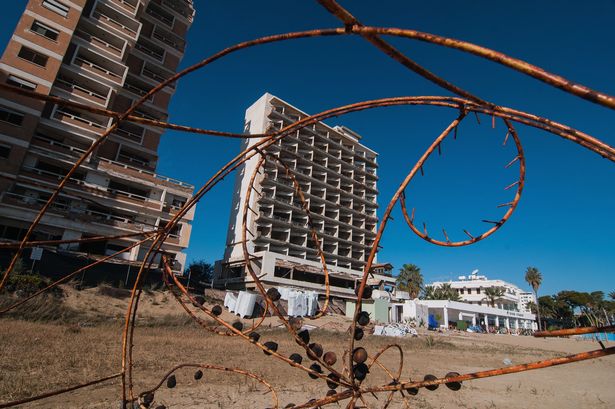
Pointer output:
x,y
155,76
125,5
185,12
92,39
72,86
127,134
97,69
172,40
32,201
158,16
58,176
77,120
114,23
149,51
151,174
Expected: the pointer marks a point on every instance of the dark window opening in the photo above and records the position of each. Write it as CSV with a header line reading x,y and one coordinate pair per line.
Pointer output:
x,y
11,117
32,56
21,83
45,31
5,151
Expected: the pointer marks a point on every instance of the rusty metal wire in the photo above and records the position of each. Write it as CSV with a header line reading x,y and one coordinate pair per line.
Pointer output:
x,y
350,377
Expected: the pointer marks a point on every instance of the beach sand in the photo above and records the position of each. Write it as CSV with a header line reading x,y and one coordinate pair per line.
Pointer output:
x,y
39,357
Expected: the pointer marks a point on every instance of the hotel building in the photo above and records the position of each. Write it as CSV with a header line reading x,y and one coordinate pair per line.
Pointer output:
x,y
337,175
107,54
471,290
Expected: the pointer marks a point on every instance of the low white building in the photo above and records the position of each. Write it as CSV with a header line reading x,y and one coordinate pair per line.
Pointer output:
x,y
471,290
452,312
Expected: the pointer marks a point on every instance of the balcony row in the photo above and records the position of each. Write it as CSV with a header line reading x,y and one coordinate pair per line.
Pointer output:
x,y
345,235
271,193
327,218
322,157
323,138
293,250
125,163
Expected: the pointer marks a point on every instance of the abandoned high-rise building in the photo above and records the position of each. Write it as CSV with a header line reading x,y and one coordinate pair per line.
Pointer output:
x,y
337,175
107,54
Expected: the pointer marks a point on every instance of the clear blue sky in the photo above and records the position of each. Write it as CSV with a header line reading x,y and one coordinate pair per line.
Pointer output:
x,y
564,224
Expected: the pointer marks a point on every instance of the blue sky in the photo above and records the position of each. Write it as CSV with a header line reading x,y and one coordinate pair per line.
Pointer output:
x,y
564,224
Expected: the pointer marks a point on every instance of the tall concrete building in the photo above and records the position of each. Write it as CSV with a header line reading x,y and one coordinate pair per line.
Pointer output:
x,y
337,175
105,53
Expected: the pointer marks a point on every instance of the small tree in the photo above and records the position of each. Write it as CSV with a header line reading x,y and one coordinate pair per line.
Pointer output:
x,y
410,279
199,271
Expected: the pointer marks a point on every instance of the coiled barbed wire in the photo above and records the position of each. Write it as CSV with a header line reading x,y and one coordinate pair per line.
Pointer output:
x,y
354,368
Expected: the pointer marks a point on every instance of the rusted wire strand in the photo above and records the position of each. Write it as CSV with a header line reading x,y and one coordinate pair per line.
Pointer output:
x,y
466,104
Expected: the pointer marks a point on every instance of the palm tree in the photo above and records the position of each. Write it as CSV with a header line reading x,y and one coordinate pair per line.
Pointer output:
x,y
534,279
429,292
443,292
447,292
410,279
492,294
612,295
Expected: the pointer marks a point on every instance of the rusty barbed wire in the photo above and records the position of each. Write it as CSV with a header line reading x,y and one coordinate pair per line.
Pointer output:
x,y
354,367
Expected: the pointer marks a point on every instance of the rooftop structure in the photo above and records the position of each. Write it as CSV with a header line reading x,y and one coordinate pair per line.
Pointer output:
x,y
107,54
337,175
471,290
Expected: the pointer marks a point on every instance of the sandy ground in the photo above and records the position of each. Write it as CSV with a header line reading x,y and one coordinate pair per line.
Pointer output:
x,y
38,357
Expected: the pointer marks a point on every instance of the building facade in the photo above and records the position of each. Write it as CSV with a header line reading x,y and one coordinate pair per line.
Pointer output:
x,y
337,175
471,290
107,54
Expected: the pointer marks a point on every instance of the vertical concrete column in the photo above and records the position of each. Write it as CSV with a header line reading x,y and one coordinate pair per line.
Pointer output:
x,y
474,320
507,323
497,321
486,322
445,309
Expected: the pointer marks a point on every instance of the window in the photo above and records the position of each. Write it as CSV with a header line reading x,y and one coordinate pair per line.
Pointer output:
x,y
32,56
5,151
45,31
478,290
56,7
21,83
11,117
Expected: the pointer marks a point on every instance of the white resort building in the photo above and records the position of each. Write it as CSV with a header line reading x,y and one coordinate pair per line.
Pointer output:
x,y
337,175
471,290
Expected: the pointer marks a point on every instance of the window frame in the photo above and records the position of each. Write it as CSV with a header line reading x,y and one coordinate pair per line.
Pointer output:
x,y
47,28
35,54
7,148
9,112
57,7
21,83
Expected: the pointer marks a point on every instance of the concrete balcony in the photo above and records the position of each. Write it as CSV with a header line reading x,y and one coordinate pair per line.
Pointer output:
x,y
160,14
116,21
83,88
48,176
150,50
102,39
169,39
99,66
125,6
131,171
156,73
80,120
185,9
34,203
